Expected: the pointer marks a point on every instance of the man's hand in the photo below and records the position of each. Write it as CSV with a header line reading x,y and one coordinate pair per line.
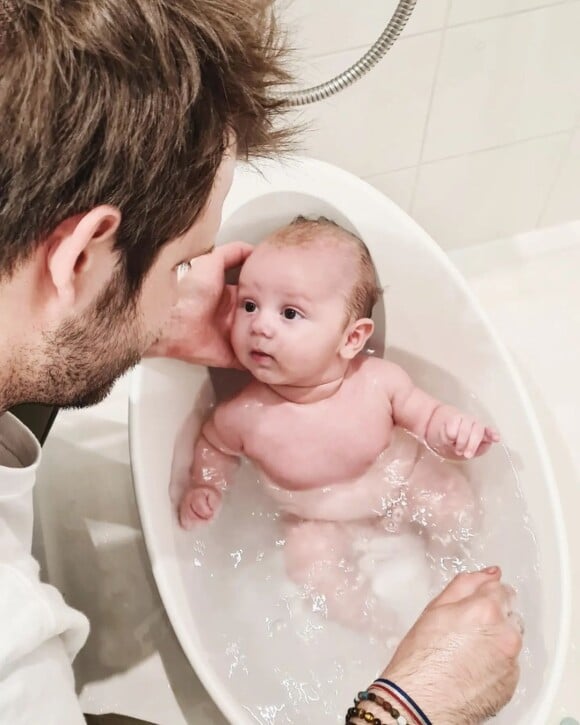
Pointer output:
x,y
459,662
198,330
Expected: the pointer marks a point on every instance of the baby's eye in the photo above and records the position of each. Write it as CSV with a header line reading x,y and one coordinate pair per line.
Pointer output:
x,y
290,313
249,306
182,269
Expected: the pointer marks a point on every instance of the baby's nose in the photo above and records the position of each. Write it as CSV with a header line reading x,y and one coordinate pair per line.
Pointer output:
x,y
262,325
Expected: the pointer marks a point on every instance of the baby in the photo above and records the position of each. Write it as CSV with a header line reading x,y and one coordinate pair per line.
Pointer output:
x,y
325,423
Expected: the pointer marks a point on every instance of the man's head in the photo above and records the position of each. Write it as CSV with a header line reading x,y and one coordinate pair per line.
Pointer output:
x,y
305,300
118,125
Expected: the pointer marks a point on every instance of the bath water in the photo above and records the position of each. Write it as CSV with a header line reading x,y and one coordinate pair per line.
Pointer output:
x,y
273,642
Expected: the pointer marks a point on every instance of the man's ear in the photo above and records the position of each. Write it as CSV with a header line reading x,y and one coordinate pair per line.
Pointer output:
x,y
356,336
80,257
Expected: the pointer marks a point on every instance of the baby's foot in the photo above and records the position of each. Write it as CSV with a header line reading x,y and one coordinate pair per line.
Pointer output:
x,y
200,503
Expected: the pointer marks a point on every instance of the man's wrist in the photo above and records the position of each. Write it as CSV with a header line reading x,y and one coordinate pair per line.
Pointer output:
x,y
433,703
379,712
401,698
389,704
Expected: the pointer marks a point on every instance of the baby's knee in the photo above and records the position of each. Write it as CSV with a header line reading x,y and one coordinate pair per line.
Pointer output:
x,y
314,552
443,496
454,489
310,541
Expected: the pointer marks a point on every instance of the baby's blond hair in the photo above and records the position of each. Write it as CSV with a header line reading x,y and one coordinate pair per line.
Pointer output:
x,y
365,290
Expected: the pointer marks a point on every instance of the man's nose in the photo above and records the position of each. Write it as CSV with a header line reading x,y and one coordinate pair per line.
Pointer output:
x,y
262,324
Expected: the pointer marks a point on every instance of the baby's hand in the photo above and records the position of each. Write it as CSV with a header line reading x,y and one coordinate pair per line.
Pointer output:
x,y
467,436
199,503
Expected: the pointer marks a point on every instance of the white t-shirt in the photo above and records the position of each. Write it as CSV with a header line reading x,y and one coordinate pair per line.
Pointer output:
x,y
39,634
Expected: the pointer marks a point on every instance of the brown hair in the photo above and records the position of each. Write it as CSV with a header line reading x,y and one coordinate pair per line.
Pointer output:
x,y
366,290
129,103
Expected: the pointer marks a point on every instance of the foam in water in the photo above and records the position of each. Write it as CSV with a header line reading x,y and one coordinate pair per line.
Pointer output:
x,y
284,658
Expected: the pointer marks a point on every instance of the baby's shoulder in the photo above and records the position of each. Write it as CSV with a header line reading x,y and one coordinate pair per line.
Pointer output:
x,y
250,396
367,376
370,366
236,415
382,372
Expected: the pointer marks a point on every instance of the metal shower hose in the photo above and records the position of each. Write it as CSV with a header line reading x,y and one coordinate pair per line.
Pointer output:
x,y
362,66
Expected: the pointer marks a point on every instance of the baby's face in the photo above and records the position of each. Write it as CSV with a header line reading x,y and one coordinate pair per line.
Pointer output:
x,y
290,319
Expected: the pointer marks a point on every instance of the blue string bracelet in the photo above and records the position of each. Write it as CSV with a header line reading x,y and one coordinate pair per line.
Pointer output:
x,y
403,698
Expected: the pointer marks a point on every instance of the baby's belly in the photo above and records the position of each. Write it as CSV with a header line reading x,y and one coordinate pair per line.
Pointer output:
x,y
374,493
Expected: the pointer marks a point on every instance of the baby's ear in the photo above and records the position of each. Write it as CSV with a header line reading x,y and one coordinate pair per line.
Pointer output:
x,y
355,337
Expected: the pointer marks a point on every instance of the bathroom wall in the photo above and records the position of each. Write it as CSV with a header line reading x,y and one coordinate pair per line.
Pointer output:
x,y
471,122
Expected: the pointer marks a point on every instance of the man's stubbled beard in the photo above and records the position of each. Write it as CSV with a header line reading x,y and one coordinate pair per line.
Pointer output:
x,y
81,360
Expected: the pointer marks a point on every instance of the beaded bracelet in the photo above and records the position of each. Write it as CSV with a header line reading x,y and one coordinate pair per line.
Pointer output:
x,y
401,697
381,702
369,717
363,715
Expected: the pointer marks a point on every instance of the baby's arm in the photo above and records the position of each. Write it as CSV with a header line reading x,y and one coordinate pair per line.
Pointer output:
x,y
215,459
445,429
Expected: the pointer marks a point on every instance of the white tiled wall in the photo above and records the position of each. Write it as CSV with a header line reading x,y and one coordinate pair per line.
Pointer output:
x,y
472,120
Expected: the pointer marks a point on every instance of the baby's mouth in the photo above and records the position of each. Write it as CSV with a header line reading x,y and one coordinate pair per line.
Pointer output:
x,y
259,356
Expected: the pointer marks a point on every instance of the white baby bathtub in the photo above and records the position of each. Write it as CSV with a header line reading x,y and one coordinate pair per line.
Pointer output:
x,y
437,330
